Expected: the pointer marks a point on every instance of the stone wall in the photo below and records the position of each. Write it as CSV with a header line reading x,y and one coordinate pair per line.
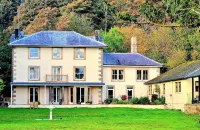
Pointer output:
x,y
192,108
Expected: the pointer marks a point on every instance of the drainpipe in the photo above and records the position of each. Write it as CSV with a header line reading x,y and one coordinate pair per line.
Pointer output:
x,y
11,102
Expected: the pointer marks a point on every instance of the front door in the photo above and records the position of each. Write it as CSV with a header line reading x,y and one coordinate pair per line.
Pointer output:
x,y
80,93
56,95
33,92
56,72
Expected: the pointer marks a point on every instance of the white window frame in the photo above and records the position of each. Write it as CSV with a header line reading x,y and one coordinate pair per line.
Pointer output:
x,y
57,102
84,73
112,90
55,50
33,93
71,94
128,88
29,75
38,53
117,75
142,75
77,56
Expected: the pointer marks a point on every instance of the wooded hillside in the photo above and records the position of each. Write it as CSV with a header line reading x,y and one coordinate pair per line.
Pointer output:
x,y
167,30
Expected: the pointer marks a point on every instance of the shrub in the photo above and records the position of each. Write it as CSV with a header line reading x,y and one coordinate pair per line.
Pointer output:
x,y
162,100
157,102
134,101
123,102
123,97
108,101
115,100
144,100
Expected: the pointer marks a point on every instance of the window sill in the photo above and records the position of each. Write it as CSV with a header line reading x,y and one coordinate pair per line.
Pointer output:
x,y
117,80
79,79
33,80
33,58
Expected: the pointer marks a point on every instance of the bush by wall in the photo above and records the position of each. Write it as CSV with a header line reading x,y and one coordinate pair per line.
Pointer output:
x,y
134,101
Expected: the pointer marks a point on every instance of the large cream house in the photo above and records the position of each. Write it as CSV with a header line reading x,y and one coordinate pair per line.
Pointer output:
x,y
68,68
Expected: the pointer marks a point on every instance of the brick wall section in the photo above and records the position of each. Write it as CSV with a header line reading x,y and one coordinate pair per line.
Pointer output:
x,y
14,95
99,95
100,65
14,57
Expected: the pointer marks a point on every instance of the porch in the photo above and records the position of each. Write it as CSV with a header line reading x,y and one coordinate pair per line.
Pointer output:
x,y
56,93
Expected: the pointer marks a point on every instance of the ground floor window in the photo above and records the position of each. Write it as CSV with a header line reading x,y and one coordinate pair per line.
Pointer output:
x,y
110,92
197,86
88,94
130,92
80,92
71,95
56,94
178,86
33,92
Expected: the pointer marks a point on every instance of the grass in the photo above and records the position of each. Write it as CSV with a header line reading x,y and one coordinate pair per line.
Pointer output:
x,y
98,118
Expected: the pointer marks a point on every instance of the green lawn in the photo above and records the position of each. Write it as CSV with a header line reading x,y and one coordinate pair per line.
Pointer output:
x,y
98,118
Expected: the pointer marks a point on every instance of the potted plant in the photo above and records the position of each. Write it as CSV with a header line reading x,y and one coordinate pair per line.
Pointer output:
x,y
89,102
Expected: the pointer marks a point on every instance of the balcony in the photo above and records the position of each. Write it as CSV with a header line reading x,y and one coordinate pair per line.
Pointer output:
x,y
56,78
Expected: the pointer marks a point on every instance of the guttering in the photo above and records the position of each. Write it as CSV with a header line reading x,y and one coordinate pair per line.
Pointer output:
x,y
132,66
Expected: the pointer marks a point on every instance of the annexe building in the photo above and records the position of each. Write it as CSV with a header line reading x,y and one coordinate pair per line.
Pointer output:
x,y
179,86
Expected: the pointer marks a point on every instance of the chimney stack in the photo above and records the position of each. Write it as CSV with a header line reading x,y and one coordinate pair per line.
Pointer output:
x,y
133,44
16,33
97,35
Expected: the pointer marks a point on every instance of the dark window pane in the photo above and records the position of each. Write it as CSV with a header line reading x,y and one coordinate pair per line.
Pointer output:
x,y
110,93
82,95
130,93
121,77
71,93
139,75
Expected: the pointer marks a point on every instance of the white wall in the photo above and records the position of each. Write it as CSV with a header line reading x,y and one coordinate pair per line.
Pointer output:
x,y
21,61
120,87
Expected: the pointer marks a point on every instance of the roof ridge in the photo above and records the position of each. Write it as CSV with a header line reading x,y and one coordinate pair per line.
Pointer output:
x,y
192,72
150,59
90,38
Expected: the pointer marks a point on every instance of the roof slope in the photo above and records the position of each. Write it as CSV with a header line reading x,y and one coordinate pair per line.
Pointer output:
x,y
128,59
183,71
57,39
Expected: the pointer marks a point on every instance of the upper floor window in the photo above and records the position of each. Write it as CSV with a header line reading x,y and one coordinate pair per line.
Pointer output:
x,y
139,74
118,74
34,53
79,53
197,86
145,74
142,74
178,86
34,73
57,53
79,73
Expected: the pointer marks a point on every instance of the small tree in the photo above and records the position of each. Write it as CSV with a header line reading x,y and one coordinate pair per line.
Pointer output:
x,y
157,90
114,39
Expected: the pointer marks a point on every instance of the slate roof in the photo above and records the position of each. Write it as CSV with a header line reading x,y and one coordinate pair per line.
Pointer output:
x,y
57,39
183,71
128,59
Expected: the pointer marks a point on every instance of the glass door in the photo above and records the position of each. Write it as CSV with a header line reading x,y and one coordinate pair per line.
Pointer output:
x,y
80,95
56,95
56,72
33,92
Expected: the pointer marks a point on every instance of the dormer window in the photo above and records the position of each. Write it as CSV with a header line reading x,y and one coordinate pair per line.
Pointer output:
x,y
34,53
79,53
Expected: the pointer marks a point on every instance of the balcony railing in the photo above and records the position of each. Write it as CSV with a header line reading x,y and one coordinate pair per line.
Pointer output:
x,y
56,78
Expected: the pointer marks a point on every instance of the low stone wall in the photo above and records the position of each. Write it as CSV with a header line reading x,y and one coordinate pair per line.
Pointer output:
x,y
192,108
94,106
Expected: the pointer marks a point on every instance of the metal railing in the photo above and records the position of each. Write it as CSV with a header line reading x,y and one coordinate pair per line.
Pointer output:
x,y
56,78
